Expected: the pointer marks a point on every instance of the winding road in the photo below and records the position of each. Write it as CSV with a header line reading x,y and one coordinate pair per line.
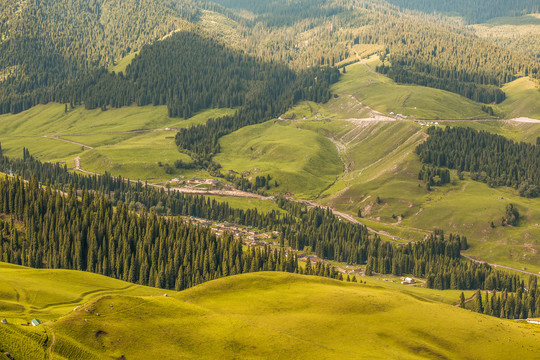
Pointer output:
x,y
498,266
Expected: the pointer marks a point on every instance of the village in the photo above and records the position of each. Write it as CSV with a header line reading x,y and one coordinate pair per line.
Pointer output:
x,y
194,182
253,238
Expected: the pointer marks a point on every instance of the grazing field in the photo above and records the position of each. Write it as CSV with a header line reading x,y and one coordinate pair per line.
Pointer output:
x,y
129,141
27,293
123,63
522,99
511,129
301,161
382,164
277,315
384,95
257,315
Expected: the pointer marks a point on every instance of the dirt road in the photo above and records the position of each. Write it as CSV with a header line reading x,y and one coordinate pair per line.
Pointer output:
x,y
498,266
57,137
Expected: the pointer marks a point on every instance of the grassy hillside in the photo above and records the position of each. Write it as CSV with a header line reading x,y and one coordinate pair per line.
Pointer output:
x,y
121,65
122,140
47,295
302,161
258,315
382,163
277,315
26,293
384,95
522,99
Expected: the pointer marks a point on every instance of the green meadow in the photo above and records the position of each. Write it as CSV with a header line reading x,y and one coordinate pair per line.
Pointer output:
x,y
123,63
317,151
382,164
386,96
257,315
301,161
522,99
129,141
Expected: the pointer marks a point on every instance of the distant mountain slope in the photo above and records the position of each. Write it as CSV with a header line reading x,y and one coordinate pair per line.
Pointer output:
x,y
46,44
474,11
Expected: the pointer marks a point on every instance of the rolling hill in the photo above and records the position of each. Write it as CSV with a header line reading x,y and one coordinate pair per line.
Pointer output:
x,y
323,102
250,316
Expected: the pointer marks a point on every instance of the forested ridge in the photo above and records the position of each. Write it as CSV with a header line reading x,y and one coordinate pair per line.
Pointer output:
x,y
90,235
489,158
430,55
47,45
188,72
58,50
302,228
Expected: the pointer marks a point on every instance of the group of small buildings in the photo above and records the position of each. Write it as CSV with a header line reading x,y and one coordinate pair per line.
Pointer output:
x,y
249,237
401,116
428,123
33,322
181,180
312,258
407,280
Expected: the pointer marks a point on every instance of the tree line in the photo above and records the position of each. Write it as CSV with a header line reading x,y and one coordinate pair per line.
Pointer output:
x,y
411,71
489,158
523,304
301,227
90,234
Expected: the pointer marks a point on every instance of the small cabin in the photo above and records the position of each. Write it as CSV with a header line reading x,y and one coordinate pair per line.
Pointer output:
x,y
35,322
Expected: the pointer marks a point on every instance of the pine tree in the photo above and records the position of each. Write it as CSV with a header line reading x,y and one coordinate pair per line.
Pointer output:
x,y
478,302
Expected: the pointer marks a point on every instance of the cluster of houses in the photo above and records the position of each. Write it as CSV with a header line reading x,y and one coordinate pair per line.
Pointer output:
x,y
429,123
248,237
401,116
181,180
407,280
312,258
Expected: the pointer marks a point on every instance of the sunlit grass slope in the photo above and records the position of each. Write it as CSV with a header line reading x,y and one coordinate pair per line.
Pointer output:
x,y
382,163
27,293
384,95
118,145
522,99
274,315
123,63
302,161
